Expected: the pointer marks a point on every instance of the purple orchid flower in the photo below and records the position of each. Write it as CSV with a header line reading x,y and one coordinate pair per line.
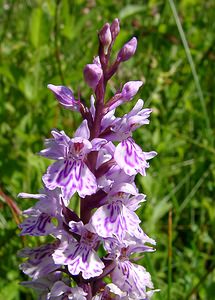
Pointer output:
x,y
43,285
40,262
80,256
129,90
94,245
130,157
70,172
130,277
65,97
117,218
39,221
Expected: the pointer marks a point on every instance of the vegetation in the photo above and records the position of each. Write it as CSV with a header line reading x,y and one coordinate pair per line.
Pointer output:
x,y
50,42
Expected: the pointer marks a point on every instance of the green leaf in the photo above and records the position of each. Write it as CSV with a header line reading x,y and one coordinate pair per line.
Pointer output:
x,y
35,26
130,10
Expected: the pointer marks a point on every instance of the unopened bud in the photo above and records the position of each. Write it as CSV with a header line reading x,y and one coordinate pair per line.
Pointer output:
x,y
127,50
92,75
105,37
114,28
130,89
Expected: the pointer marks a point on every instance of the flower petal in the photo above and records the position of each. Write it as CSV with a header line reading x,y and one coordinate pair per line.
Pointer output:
x,y
80,258
37,225
55,175
65,96
130,157
83,130
81,179
132,278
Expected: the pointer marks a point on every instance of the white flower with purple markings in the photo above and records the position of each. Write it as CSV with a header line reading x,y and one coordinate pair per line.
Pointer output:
x,y
70,172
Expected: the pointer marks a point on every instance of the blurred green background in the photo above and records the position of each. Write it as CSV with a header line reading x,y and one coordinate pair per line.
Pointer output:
x,y
50,42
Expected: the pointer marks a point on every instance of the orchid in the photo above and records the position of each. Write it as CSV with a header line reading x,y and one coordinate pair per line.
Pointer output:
x,y
99,163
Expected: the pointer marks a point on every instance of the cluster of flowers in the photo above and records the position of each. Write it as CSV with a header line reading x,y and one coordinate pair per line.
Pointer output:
x,y
99,163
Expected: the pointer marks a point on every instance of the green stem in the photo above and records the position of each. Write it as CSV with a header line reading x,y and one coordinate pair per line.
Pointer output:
x,y
192,66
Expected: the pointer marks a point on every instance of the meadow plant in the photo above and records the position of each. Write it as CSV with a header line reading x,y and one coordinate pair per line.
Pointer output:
x,y
90,253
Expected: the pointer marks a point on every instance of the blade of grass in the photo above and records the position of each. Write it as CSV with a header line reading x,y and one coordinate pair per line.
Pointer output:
x,y
169,253
16,212
192,66
193,191
190,140
200,282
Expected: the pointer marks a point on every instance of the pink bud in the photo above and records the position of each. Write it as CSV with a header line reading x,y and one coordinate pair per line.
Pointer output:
x,y
114,28
105,37
92,75
127,50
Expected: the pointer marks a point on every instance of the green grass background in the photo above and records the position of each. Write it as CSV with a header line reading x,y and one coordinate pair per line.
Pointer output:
x,y
50,42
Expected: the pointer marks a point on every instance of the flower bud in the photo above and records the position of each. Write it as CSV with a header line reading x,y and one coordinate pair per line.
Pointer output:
x,y
127,50
92,75
130,89
105,37
114,28
65,96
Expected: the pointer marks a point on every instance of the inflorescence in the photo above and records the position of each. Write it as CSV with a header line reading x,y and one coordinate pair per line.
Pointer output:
x,y
90,256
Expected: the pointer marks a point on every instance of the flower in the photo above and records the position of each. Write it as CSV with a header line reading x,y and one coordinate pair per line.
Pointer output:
x,y
114,28
130,157
39,222
105,37
130,277
65,97
80,256
92,75
117,218
43,284
100,163
129,90
40,262
70,172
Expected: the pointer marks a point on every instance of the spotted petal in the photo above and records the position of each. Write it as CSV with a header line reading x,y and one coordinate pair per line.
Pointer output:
x,y
131,158
37,225
52,178
115,220
81,179
71,176
40,262
132,278
80,258
56,147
